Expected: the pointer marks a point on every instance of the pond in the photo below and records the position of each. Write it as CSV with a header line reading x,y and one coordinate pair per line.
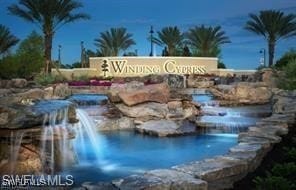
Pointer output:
x,y
97,156
125,153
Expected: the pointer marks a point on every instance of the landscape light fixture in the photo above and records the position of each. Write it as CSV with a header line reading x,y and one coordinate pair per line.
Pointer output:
x,y
151,36
82,54
59,56
264,55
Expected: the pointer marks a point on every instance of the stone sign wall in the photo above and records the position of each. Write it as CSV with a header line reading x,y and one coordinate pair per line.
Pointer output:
x,y
139,66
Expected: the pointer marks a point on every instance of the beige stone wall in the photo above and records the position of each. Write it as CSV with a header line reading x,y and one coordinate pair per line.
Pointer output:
x,y
139,66
71,74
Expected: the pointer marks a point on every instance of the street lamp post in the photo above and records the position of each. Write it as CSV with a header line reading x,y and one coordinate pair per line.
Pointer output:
x,y
59,56
264,55
82,54
151,36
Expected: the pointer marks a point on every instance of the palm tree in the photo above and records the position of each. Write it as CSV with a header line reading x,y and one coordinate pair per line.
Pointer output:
x,y
272,25
111,43
7,40
207,40
172,38
48,15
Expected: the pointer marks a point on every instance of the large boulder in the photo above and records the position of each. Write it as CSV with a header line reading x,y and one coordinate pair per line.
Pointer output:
x,y
164,128
151,93
269,76
33,94
244,93
27,162
19,83
58,91
174,110
284,102
116,88
5,84
219,172
194,81
161,128
175,81
144,111
18,116
123,123
164,179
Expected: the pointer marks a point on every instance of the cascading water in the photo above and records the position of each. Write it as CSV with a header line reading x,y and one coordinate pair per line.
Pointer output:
x,y
15,144
227,119
59,150
55,148
93,145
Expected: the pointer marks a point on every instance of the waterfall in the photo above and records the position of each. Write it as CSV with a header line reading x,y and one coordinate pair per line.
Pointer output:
x,y
15,143
60,143
89,149
219,119
55,146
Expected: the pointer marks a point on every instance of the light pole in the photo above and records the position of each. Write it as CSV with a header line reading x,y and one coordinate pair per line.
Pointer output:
x,y
264,55
82,54
59,56
151,36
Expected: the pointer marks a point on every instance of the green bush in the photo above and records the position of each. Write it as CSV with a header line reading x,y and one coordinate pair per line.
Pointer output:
x,y
292,154
273,183
221,65
44,80
10,67
286,170
285,59
287,79
27,61
84,78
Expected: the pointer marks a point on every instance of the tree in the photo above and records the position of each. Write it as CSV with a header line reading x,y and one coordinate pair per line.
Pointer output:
x,y
273,26
172,38
114,41
207,40
165,52
186,51
7,40
30,54
48,15
28,59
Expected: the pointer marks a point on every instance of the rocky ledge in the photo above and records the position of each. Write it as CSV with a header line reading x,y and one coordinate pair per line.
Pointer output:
x,y
153,110
222,171
243,93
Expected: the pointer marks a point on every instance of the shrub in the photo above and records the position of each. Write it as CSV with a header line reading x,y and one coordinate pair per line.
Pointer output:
x,y
273,182
83,78
291,154
9,67
287,79
286,170
285,59
221,65
44,79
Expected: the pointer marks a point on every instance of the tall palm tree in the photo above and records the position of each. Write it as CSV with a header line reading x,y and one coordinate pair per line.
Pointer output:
x,y
207,40
114,41
48,15
172,38
7,40
272,25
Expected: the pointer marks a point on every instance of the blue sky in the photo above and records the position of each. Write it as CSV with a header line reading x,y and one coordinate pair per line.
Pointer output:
x,y
138,15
